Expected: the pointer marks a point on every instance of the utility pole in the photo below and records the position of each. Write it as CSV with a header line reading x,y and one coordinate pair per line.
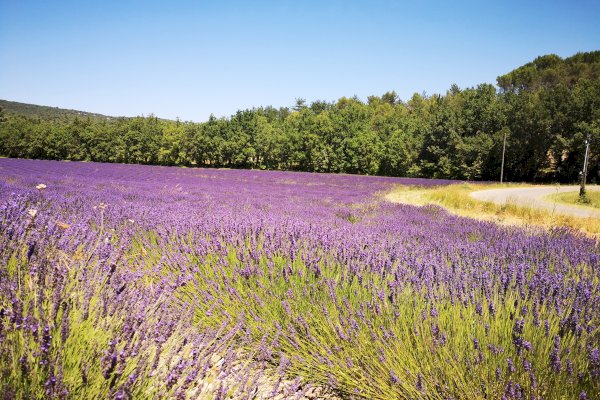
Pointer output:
x,y
584,172
503,152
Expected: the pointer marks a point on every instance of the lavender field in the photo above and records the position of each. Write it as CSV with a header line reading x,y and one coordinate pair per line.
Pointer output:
x,y
128,281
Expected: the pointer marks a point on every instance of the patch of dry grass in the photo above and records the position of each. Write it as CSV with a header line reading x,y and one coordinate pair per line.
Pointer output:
x,y
456,199
572,198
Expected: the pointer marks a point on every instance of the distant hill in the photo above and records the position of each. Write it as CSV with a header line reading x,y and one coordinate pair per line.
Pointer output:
x,y
45,112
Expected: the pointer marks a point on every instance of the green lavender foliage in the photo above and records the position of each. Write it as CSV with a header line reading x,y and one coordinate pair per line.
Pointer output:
x,y
314,320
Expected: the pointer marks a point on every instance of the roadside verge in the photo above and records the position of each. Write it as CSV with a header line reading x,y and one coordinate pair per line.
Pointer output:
x,y
458,199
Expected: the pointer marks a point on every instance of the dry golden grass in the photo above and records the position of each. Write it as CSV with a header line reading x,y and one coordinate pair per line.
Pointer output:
x,y
456,199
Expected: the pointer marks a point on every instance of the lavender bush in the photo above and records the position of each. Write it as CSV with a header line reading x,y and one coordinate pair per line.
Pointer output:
x,y
152,282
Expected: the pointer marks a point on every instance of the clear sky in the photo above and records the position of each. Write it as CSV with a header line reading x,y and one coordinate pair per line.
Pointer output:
x,y
189,59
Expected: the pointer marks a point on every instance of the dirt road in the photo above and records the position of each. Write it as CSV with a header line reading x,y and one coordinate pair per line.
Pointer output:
x,y
534,197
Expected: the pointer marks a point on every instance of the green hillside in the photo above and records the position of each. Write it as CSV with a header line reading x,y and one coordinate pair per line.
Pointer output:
x,y
45,112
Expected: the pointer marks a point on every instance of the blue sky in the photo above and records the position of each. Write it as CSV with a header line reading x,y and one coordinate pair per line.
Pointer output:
x,y
189,59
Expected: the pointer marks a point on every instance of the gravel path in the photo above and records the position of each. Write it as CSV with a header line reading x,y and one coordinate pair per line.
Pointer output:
x,y
534,197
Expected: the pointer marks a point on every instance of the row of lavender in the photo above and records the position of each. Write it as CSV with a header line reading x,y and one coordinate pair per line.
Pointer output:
x,y
116,279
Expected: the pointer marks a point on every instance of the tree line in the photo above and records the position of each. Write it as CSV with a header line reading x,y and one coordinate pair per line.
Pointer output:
x,y
544,109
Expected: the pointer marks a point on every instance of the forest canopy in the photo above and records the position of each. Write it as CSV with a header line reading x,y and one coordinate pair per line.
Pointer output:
x,y
545,109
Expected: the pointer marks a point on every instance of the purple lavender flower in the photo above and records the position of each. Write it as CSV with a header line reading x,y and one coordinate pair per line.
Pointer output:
x,y
492,308
478,309
511,366
555,362
45,346
569,366
419,384
594,365
393,377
